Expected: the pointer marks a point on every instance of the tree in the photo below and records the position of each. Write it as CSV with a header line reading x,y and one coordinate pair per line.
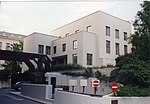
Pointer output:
x,y
133,69
14,66
141,39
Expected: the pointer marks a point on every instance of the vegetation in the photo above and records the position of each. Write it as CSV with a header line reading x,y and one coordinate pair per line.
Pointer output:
x,y
100,76
133,70
60,67
12,67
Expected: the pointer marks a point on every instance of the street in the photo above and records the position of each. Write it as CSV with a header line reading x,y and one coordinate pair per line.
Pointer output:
x,y
6,98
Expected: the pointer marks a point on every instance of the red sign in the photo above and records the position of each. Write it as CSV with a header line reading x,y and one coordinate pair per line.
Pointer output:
x,y
114,87
95,83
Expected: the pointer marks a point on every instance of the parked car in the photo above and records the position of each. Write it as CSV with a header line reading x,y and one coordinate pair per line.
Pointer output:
x,y
17,85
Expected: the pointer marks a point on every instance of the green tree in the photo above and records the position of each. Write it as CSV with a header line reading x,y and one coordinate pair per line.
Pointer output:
x,y
133,69
141,39
14,66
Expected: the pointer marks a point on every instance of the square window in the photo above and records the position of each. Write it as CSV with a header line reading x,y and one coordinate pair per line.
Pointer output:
x,y
89,28
8,46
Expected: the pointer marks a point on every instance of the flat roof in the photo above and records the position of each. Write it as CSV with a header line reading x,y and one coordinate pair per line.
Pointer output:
x,y
99,11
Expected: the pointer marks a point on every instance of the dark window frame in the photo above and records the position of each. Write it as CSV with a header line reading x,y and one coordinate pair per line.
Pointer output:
x,y
107,30
125,36
117,33
40,49
48,50
75,44
74,59
89,59
63,47
54,50
117,48
108,47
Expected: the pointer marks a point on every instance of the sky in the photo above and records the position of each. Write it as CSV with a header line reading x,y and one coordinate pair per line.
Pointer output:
x,y
44,16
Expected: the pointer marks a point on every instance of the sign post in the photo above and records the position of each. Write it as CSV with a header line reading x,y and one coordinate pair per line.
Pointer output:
x,y
95,84
72,83
114,87
83,84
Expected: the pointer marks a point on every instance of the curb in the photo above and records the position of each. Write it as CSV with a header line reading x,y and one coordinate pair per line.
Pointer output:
x,y
33,99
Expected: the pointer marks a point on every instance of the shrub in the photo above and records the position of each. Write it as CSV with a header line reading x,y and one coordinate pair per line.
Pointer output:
x,y
60,67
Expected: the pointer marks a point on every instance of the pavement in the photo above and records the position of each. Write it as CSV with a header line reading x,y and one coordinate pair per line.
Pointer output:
x,y
33,99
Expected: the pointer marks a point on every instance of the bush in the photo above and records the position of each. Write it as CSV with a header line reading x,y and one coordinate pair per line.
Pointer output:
x,y
133,91
61,67
131,71
99,76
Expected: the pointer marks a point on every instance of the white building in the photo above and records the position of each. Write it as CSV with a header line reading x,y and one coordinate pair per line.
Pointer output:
x,y
6,39
94,40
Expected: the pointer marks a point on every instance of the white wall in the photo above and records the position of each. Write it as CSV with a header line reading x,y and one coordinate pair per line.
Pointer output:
x,y
74,98
32,41
83,46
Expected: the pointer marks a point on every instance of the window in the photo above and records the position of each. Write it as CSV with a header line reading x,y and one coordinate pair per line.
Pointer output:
x,y
41,49
0,45
75,43
89,59
117,48
89,28
107,31
125,36
66,34
54,49
117,33
125,49
63,47
48,50
8,46
74,58
107,46
76,31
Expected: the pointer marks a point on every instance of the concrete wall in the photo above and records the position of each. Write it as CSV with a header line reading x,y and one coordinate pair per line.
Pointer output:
x,y
73,98
63,80
38,91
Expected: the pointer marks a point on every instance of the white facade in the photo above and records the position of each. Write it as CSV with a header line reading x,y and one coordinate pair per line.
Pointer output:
x,y
84,41
96,23
32,42
6,39
83,47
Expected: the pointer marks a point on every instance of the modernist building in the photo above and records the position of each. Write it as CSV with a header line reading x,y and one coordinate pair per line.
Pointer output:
x,y
6,39
94,40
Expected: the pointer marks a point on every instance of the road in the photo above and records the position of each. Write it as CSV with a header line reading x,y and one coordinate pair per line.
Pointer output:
x,y
6,98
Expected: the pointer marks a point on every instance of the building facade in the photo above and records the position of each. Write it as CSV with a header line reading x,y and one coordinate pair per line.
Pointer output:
x,y
6,39
94,40
109,39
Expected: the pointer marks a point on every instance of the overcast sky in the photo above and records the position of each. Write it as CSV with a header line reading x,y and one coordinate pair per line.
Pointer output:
x,y
28,17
